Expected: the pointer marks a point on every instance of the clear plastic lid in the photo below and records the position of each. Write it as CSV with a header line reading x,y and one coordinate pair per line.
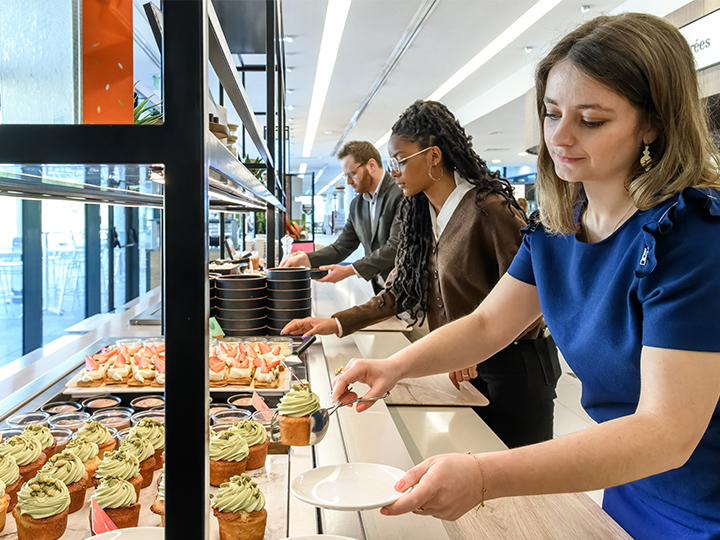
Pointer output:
x,y
230,416
23,419
72,421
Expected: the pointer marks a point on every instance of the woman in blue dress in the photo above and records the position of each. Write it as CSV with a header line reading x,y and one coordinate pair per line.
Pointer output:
x,y
623,263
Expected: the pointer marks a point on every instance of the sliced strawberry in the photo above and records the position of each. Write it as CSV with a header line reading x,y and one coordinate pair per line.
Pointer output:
x,y
245,364
264,347
235,362
216,365
120,361
160,348
257,361
91,364
141,361
223,347
133,350
276,352
264,368
251,352
160,365
274,364
101,358
124,350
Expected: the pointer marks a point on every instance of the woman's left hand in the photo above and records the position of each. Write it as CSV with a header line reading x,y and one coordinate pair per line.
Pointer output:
x,y
456,377
444,486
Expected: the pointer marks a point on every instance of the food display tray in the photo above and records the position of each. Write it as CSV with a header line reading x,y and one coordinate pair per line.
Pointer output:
x,y
271,479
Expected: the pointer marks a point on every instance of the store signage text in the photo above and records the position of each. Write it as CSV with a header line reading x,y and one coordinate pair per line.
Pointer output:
x,y
704,39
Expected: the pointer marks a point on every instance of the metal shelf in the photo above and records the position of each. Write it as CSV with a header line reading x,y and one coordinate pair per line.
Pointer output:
x,y
224,66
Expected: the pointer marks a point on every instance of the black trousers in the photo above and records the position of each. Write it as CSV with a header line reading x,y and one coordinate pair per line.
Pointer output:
x,y
520,383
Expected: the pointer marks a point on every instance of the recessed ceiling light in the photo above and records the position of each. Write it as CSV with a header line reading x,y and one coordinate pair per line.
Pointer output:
x,y
497,161
494,132
288,69
289,120
328,132
288,39
290,107
523,154
289,90
528,49
584,9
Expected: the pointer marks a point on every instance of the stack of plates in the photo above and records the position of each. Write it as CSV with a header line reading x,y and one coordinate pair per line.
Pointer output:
x,y
241,305
288,296
212,293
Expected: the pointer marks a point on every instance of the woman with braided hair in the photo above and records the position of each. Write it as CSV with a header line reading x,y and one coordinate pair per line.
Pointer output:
x,y
460,229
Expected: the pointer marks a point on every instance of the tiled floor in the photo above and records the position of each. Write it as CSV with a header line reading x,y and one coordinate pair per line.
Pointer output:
x,y
569,415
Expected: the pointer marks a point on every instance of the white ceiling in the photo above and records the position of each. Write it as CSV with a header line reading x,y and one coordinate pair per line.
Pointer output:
x,y
453,34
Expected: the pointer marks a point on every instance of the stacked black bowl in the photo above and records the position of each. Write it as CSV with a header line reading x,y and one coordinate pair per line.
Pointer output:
x,y
241,305
212,277
288,296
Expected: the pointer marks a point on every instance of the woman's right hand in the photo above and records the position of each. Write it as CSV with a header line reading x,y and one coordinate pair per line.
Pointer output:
x,y
380,375
310,326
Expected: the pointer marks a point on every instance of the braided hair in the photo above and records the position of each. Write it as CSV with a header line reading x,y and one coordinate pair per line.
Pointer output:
x,y
430,123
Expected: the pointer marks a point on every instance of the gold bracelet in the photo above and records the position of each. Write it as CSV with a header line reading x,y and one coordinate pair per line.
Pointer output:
x,y
482,475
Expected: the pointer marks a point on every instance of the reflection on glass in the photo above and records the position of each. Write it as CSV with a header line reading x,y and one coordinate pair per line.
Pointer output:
x,y
63,249
11,286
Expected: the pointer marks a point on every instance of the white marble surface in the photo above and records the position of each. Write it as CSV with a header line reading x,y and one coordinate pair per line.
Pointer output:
x,y
272,480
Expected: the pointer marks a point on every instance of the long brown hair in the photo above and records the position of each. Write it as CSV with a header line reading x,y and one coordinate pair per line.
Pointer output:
x,y
647,61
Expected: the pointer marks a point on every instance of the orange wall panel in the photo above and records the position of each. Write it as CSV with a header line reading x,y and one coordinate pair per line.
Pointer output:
x,y
107,43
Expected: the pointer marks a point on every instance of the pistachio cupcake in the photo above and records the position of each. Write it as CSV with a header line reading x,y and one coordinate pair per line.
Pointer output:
x,y
154,432
27,453
88,453
240,509
10,476
44,437
4,505
142,449
294,412
42,509
69,469
256,437
96,433
158,507
118,499
121,464
228,456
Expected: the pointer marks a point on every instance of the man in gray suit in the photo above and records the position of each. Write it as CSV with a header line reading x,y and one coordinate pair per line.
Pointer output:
x,y
373,221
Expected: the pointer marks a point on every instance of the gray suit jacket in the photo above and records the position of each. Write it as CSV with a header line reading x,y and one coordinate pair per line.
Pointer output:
x,y
381,247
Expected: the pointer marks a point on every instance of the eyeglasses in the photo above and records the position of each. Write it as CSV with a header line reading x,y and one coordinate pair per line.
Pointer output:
x,y
394,164
351,175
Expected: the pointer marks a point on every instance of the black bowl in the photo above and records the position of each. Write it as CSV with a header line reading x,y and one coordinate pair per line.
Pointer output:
x,y
288,285
241,314
261,331
93,403
252,303
289,304
240,281
288,274
316,273
278,324
241,294
278,314
297,294
241,324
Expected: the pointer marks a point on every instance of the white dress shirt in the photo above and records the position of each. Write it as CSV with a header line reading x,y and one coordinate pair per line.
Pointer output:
x,y
440,220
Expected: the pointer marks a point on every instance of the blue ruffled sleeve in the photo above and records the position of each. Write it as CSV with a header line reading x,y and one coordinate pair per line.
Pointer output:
x,y
679,275
521,267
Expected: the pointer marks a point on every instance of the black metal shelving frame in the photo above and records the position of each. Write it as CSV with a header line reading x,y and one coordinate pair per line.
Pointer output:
x,y
194,163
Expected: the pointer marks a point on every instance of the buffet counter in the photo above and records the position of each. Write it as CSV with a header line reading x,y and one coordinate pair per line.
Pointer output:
x,y
394,435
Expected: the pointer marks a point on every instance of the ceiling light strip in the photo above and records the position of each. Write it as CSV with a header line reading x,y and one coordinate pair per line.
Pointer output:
x,y
335,17
411,32
510,34
302,169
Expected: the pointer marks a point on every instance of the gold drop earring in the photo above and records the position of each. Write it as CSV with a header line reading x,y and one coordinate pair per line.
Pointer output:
x,y
646,160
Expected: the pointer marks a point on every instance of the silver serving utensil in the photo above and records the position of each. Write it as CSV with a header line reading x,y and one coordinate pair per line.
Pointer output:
x,y
319,420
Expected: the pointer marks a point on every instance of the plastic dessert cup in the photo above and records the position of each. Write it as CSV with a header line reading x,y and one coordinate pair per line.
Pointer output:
x,y
72,421
243,400
144,403
129,342
123,434
230,416
113,418
155,414
59,407
105,401
62,436
20,421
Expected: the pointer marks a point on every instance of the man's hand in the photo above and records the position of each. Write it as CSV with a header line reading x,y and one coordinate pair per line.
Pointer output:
x,y
299,258
337,273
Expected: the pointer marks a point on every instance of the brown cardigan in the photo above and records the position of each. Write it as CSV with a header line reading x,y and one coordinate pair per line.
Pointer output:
x,y
473,252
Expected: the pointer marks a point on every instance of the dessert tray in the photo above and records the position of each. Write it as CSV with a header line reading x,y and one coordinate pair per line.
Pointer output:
x,y
140,368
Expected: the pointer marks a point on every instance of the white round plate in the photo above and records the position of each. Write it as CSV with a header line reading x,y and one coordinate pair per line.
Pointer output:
x,y
349,486
134,533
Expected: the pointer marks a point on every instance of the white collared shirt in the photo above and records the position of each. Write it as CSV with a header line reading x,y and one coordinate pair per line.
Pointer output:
x,y
440,221
372,199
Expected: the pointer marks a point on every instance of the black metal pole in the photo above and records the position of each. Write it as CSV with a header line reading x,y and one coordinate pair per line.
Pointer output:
x,y
111,258
222,234
93,276
185,291
312,200
270,135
